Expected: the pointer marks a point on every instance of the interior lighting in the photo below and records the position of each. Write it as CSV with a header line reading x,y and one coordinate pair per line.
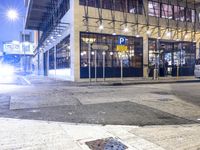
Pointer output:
x,y
168,34
126,29
111,53
114,33
137,35
148,32
101,27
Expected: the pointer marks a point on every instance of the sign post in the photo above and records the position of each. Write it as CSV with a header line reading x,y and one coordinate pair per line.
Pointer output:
x,y
122,48
104,54
121,69
89,61
95,69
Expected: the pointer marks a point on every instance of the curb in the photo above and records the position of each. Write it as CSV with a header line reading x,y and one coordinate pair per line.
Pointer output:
x,y
153,82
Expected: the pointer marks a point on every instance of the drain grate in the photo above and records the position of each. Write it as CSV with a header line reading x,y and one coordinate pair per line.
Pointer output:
x,y
106,144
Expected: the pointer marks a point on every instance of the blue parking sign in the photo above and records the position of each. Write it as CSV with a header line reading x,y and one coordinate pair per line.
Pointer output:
x,y
121,40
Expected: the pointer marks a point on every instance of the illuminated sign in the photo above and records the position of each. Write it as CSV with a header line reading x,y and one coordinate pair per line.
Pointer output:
x,y
122,48
16,47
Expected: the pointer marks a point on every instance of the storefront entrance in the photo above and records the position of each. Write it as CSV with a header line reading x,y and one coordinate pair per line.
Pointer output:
x,y
173,58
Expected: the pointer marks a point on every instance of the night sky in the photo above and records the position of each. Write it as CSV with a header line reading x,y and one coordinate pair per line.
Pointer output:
x,y
9,30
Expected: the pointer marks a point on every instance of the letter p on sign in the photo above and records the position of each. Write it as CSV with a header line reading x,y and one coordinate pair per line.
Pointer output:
x,y
121,41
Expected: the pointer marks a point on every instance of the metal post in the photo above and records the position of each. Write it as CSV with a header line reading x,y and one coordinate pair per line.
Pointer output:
x,y
177,70
121,69
104,65
23,45
89,61
95,59
55,67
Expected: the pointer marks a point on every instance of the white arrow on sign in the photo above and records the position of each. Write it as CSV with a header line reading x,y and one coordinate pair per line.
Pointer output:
x,y
100,47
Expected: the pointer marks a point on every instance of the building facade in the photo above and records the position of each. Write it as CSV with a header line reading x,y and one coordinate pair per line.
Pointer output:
x,y
19,55
160,35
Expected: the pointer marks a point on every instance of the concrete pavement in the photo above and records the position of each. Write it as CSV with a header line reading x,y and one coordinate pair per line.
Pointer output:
x,y
59,115
34,135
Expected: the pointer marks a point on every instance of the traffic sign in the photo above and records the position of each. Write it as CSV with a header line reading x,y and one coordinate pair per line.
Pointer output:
x,y
122,48
121,40
102,47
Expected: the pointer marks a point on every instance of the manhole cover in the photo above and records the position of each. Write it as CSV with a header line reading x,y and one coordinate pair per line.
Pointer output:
x,y
165,99
106,144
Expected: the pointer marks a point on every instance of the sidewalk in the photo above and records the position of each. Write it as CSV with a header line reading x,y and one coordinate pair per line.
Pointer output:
x,y
43,135
111,82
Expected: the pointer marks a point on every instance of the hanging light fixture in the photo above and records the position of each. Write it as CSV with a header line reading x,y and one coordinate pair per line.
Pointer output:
x,y
126,28
101,27
148,32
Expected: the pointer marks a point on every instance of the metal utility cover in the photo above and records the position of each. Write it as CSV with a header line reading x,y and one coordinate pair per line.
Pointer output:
x,y
106,144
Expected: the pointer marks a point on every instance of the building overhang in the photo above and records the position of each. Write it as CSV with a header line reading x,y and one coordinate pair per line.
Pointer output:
x,y
37,10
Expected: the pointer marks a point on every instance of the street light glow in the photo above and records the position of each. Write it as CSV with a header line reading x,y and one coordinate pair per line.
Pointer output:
x,y
12,14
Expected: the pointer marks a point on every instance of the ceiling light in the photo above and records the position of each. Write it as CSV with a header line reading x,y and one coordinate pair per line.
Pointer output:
x,y
101,27
148,32
126,29
114,33
137,35
168,33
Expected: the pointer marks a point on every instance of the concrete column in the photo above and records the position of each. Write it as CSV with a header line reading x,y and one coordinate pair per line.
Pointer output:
x,y
47,63
41,63
75,39
145,56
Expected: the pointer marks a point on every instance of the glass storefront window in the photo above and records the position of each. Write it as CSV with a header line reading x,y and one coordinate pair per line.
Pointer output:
x,y
133,57
171,55
51,59
60,57
63,54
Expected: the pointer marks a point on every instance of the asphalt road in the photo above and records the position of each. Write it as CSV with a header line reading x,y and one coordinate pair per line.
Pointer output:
x,y
158,104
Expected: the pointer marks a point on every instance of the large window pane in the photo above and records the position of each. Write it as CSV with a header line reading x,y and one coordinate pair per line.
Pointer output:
x,y
154,9
51,59
133,58
135,6
63,54
167,11
179,13
131,6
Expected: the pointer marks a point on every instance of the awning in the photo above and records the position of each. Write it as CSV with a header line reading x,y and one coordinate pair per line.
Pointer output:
x,y
37,11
